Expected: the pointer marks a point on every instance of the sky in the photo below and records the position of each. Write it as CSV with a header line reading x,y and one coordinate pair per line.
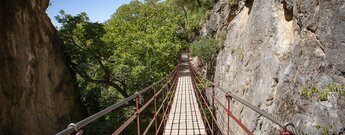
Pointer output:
x,y
97,10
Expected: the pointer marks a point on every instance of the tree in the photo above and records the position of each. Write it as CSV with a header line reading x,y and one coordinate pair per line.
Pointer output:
x,y
146,40
90,56
205,49
192,14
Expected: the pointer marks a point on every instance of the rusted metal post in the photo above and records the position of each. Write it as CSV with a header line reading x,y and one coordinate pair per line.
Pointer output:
x,y
284,132
228,98
155,104
137,113
163,107
213,110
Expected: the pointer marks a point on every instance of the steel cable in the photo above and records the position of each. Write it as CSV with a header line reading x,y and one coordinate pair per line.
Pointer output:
x,y
75,127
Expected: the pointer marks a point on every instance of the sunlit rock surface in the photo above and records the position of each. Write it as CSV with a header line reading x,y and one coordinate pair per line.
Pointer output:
x,y
272,49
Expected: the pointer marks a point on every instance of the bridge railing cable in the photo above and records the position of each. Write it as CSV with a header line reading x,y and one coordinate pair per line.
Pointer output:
x,y
139,110
287,127
167,81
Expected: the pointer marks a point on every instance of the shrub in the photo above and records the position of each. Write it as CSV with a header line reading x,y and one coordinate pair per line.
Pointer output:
x,y
220,39
232,2
325,92
204,49
308,92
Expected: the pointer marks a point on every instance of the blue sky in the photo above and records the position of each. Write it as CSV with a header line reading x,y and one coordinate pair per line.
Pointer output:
x,y
97,10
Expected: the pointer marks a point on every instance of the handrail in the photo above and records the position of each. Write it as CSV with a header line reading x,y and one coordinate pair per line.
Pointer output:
x,y
160,108
286,126
202,99
213,117
77,126
272,118
119,130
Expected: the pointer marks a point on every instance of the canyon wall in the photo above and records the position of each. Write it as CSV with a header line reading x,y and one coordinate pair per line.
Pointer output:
x,y
274,53
38,93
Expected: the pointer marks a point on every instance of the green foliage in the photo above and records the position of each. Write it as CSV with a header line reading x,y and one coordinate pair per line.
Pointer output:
x,y
146,41
232,2
326,130
322,95
91,59
204,49
317,126
191,14
325,92
203,83
308,92
342,92
241,55
333,87
220,38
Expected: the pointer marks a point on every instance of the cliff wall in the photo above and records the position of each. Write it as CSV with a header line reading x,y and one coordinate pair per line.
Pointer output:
x,y
37,89
274,53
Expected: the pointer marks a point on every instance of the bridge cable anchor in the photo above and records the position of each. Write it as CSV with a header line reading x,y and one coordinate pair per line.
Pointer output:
x,y
74,126
284,131
288,124
228,95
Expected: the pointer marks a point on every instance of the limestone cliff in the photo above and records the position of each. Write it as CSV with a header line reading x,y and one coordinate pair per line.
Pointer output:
x,y
274,51
37,89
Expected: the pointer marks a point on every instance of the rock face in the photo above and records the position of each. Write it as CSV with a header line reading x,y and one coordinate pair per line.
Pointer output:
x,y
37,89
272,52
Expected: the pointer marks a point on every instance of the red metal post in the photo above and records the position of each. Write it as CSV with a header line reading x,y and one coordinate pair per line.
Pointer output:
x,y
228,98
155,104
234,118
163,118
205,85
213,110
284,132
137,113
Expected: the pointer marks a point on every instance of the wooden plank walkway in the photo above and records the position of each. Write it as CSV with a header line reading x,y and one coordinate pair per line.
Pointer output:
x,y
184,117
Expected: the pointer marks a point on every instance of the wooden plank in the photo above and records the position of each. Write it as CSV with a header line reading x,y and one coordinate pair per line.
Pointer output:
x,y
184,117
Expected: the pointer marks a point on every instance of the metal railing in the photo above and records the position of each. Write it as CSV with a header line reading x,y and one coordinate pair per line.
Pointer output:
x,y
287,127
169,80
166,90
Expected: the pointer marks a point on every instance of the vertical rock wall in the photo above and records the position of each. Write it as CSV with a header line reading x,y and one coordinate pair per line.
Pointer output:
x,y
37,89
272,50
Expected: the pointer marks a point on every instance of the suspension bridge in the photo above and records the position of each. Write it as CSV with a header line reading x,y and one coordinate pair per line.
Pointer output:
x,y
182,103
